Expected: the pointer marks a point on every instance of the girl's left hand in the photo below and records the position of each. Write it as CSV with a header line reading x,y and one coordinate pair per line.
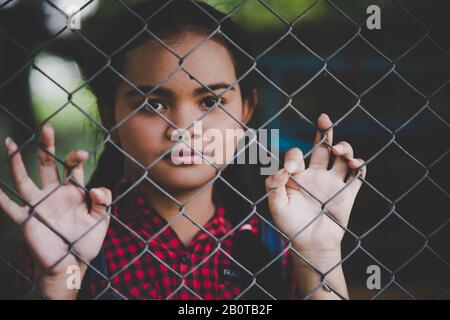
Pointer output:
x,y
292,208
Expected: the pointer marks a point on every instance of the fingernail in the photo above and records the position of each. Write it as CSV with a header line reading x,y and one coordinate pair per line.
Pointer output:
x,y
48,125
97,193
290,166
322,115
8,140
82,154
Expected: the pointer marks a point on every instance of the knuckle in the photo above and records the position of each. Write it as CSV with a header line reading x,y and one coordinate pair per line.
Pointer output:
x,y
107,192
45,159
70,157
347,146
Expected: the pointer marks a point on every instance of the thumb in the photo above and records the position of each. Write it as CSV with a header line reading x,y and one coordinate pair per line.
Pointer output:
x,y
101,198
276,189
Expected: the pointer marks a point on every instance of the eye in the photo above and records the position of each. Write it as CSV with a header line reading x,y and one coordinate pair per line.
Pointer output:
x,y
210,101
156,105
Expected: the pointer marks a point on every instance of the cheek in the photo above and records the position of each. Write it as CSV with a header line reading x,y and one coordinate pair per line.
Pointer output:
x,y
235,108
141,137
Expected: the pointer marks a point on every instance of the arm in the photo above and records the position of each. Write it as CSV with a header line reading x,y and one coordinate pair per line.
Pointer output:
x,y
55,287
309,279
66,214
312,206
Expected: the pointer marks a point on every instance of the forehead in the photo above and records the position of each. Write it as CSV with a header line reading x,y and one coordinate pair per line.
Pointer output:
x,y
207,60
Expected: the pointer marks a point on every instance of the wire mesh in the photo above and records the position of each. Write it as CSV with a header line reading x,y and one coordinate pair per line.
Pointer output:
x,y
325,69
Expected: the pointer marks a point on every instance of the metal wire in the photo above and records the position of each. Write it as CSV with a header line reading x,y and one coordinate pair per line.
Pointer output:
x,y
324,69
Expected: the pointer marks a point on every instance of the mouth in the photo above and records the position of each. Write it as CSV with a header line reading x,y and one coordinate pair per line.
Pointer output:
x,y
185,156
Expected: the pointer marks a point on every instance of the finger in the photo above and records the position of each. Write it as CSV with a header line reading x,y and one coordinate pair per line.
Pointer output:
x,y
74,165
360,168
277,194
293,161
47,165
101,198
320,157
344,153
12,210
22,182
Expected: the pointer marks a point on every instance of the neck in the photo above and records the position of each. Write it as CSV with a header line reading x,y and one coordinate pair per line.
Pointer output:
x,y
199,208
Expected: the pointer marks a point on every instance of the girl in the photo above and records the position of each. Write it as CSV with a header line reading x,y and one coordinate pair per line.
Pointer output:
x,y
154,225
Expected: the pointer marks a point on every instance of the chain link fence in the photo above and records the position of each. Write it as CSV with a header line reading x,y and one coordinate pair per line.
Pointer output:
x,y
386,91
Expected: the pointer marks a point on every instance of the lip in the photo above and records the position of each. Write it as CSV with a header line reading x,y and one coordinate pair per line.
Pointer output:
x,y
186,156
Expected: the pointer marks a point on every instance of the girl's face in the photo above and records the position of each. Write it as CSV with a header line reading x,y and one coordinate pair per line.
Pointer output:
x,y
145,135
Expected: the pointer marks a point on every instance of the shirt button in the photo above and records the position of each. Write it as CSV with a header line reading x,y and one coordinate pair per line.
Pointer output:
x,y
185,259
184,264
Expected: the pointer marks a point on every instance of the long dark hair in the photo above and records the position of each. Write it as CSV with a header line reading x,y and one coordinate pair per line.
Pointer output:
x,y
167,22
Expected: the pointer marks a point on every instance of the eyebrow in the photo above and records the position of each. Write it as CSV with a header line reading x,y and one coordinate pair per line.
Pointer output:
x,y
165,92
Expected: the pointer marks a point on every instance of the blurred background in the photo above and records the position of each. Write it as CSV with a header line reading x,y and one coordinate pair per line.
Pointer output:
x,y
388,88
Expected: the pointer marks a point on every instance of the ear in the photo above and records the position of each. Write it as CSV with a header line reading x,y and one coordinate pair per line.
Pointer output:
x,y
249,105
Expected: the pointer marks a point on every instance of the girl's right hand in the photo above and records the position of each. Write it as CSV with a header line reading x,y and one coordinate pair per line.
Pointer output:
x,y
60,205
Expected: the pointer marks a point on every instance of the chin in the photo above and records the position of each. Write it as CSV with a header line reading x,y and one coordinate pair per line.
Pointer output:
x,y
177,178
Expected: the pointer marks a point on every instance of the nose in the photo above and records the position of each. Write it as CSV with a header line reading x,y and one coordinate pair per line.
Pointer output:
x,y
174,134
182,117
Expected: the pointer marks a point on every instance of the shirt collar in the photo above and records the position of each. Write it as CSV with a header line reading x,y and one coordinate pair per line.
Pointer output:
x,y
133,210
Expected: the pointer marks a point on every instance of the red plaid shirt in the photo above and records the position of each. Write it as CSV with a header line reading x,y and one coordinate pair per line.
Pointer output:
x,y
145,259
